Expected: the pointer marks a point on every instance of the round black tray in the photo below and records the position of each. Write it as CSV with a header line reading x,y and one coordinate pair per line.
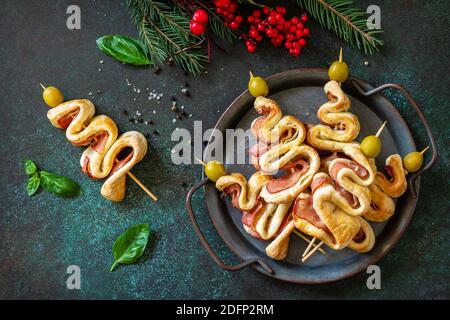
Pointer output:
x,y
300,93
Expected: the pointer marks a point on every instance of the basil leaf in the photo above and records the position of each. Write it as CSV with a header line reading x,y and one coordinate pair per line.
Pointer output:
x,y
130,245
33,185
124,49
30,168
59,185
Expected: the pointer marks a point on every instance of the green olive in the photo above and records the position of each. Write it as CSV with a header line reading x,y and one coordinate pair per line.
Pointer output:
x,y
257,86
214,170
413,161
338,71
371,146
52,96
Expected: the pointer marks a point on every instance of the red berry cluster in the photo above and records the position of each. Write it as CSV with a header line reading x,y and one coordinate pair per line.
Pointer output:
x,y
198,22
227,9
273,24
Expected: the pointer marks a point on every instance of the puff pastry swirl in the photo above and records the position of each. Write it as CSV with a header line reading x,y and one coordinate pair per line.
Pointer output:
x,y
260,219
318,215
339,127
352,176
280,148
104,156
384,189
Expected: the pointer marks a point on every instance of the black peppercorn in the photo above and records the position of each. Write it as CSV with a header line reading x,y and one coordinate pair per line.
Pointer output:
x,y
157,70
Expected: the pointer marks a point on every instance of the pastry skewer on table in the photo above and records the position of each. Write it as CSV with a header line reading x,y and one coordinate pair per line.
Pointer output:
x,y
138,182
53,98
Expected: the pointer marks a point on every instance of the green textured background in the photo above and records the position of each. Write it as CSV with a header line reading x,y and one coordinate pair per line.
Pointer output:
x,y
42,235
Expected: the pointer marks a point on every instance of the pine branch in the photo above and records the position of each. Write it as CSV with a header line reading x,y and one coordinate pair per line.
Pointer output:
x,y
349,23
165,32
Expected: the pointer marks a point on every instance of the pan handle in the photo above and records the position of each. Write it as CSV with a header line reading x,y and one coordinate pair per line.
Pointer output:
x,y
205,243
419,112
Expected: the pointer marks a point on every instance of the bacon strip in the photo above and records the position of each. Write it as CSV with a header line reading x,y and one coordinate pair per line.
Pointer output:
x,y
65,121
85,168
119,164
303,208
289,179
352,165
249,217
234,191
98,141
360,236
256,151
358,169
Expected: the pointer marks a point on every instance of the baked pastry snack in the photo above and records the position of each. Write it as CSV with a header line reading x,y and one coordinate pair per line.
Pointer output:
x,y
244,195
272,131
107,154
280,147
384,189
260,219
317,215
339,127
352,176
299,164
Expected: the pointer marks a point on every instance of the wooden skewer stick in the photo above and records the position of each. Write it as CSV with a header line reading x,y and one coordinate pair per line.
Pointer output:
x,y
308,248
381,129
340,60
424,150
201,162
140,184
307,240
312,251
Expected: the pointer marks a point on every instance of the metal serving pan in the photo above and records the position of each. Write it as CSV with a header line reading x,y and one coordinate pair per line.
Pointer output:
x,y
300,93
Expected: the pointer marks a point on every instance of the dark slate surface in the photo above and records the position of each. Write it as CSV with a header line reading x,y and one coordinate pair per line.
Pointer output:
x,y
42,235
